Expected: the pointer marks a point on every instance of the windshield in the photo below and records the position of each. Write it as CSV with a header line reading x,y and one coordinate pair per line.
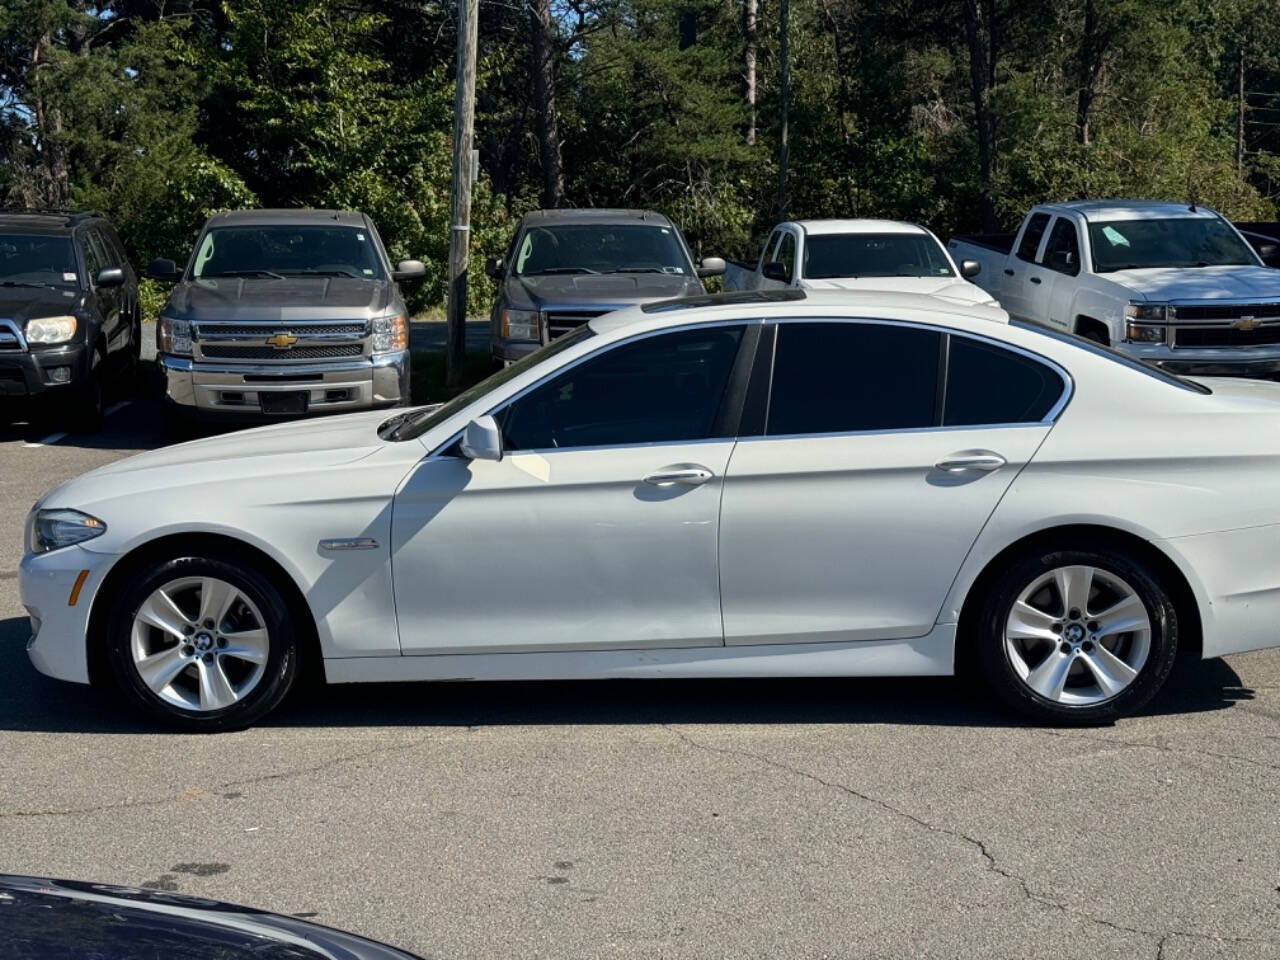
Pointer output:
x,y
288,251
1172,242
37,261
416,424
601,248
850,255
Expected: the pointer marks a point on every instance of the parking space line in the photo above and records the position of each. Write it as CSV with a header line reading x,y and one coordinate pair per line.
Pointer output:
x,y
45,441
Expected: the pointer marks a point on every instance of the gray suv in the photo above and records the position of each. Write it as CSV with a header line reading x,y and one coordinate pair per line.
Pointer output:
x,y
566,266
284,313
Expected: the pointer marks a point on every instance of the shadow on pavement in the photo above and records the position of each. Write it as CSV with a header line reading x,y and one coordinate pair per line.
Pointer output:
x,y
29,701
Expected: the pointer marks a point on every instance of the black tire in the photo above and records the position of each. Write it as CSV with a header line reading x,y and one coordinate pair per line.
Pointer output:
x,y
85,415
1092,330
281,665
997,669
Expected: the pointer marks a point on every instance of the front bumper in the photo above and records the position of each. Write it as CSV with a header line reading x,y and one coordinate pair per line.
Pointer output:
x,y
28,373
509,351
59,628
1261,362
206,388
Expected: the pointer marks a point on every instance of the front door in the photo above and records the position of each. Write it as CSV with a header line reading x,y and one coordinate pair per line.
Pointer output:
x,y
598,529
886,449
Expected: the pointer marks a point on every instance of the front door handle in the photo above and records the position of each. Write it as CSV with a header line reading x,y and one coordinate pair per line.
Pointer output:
x,y
980,461
1008,272
1035,279
682,474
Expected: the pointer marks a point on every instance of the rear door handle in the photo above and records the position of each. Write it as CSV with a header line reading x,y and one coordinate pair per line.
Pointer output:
x,y
681,474
1035,279
1008,272
980,461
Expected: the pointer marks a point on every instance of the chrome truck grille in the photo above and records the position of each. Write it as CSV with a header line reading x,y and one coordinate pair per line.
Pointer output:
x,y
560,322
1225,325
283,342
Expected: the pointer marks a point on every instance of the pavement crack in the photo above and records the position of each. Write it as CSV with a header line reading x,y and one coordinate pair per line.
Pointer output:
x,y
185,794
990,862
1162,748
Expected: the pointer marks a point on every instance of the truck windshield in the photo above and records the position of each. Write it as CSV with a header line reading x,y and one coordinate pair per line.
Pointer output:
x,y
287,251
1169,242
37,261
850,255
601,248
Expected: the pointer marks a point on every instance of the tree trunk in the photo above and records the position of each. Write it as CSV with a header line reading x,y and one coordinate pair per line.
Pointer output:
x,y
784,91
749,10
1093,47
544,94
56,188
1240,108
979,30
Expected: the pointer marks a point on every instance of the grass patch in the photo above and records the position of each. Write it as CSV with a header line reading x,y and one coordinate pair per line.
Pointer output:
x,y
426,369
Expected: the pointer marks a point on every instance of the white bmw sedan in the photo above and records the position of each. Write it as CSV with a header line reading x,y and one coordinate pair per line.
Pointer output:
x,y
762,484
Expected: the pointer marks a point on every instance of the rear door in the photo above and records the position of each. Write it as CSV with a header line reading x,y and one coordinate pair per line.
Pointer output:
x,y
883,451
1022,274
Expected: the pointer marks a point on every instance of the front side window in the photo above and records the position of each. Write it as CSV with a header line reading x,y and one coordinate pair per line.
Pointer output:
x,y
1062,253
37,261
92,256
1167,242
666,388
601,248
845,377
874,255
1030,244
288,251
989,385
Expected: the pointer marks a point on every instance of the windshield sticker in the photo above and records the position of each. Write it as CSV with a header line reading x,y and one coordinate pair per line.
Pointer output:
x,y
69,278
367,272
1117,238
360,237
673,269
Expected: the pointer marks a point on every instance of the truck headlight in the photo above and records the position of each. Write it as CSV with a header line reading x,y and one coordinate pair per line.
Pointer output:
x,y
521,324
173,336
51,329
1144,332
1147,312
54,529
390,334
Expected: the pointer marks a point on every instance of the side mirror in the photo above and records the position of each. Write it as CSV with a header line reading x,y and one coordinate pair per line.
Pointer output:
x,y
1270,253
1061,260
712,267
970,269
166,271
482,440
408,270
775,270
110,277
494,267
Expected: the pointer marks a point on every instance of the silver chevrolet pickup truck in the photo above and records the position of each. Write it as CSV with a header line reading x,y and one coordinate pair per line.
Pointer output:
x,y
284,313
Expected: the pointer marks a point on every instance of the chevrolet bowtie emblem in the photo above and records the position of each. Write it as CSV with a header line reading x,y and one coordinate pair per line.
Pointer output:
x,y
282,341
1245,323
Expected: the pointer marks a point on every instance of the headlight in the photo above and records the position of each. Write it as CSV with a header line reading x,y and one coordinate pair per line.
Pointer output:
x,y
54,529
521,324
1144,332
1148,312
51,329
173,336
390,334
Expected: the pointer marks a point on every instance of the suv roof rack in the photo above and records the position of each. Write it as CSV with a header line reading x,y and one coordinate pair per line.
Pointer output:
x,y
73,216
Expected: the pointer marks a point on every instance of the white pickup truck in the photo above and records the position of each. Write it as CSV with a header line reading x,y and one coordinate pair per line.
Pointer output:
x,y
857,255
1174,284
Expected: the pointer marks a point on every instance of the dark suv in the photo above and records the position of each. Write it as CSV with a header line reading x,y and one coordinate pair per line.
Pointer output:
x,y
69,318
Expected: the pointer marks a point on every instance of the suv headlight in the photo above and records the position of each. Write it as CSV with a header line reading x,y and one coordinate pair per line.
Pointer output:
x,y
173,336
54,529
521,324
390,334
51,329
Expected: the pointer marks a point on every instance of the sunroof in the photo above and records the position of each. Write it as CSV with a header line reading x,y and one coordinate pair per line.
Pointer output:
x,y
734,298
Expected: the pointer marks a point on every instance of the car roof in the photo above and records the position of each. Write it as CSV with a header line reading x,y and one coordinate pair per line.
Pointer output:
x,y
601,215
819,227
1104,210
53,222
779,304
284,217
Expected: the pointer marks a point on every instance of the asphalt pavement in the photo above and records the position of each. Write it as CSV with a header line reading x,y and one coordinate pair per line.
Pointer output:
x,y
673,819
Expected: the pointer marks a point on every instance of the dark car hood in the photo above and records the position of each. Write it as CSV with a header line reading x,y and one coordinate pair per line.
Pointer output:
x,y
293,298
20,304
44,919
609,290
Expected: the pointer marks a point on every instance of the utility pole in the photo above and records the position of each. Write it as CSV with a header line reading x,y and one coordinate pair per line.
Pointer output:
x,y
464,115
785,93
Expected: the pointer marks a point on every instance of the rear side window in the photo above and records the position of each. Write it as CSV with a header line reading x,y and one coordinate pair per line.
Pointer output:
x,y
990,385
844,377
1031,237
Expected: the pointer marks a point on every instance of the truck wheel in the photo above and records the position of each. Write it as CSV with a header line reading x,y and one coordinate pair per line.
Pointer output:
x,y
86,403
1077,635
1093,330
202,642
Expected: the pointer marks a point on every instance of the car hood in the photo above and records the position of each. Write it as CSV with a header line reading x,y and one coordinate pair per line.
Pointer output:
x,y
960,291
294,448
21,304
610,291
1201,283
265,299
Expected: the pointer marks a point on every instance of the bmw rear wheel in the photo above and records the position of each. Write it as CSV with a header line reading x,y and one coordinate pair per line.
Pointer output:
x,y
1077,636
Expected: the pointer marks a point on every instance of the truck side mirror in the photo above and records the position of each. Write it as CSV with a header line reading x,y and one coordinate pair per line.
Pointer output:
x,y
712,267
970,269
408,270
1270,254
776,270
482,440
166,271
493,267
